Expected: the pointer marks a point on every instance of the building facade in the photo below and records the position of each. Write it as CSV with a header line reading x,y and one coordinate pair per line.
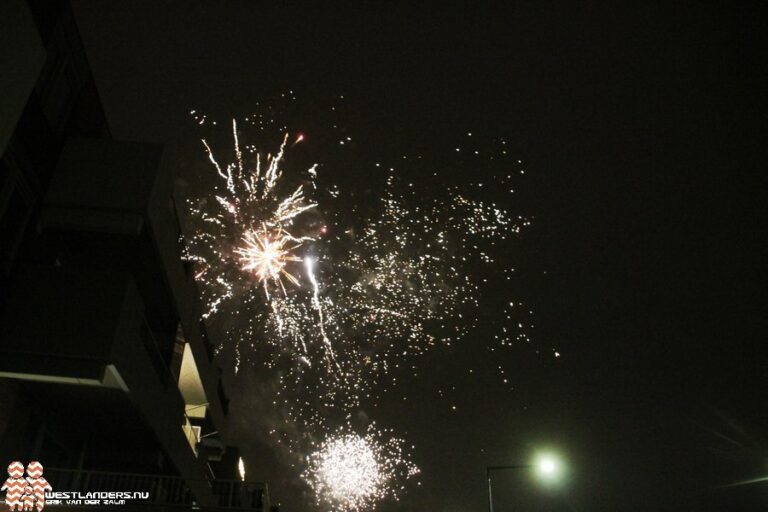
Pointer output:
x,y
107,374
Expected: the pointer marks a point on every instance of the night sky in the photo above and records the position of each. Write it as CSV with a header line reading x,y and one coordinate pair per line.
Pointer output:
x,y
640,129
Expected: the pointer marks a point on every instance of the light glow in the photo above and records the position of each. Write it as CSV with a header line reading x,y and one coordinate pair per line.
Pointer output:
x,y
548,467
241,469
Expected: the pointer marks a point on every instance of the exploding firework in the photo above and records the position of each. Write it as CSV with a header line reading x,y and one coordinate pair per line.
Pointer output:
x,y
394,284
351,473
337,309
267,254
246,233
398,287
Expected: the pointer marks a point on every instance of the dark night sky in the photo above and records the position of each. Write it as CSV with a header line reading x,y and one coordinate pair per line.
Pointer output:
x,y
641,127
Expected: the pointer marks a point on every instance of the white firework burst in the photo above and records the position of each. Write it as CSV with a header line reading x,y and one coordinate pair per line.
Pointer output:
x,y
351,472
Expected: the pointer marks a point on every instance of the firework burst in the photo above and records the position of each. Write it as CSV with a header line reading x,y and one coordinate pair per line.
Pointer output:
x,y
358,296
266,254
392,285
396,288
246,233
351,473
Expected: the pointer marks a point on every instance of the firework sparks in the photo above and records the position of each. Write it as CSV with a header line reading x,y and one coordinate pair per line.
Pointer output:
x,y
331,356
403,279
267,254
395,285
351,473
247,230
400,276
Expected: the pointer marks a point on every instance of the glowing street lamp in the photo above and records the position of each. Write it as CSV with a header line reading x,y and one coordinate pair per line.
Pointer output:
x,y
547,467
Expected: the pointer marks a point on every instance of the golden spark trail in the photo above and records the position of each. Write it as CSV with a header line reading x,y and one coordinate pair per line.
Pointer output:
x,y
330,355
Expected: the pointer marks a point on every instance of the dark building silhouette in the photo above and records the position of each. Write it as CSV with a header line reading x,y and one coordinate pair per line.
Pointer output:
x,y
106,371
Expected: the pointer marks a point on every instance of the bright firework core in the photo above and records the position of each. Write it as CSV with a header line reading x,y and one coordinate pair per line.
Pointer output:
x,y
350,472
348,469
266,254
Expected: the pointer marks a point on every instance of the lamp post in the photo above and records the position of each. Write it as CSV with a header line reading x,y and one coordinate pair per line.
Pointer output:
x,y
488,470
547,466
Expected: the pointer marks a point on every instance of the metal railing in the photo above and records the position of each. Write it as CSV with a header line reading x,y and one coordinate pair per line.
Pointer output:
x,y
163,491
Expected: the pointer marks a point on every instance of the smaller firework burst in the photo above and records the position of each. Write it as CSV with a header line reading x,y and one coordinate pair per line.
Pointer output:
x,y
266,253
351,473
248,230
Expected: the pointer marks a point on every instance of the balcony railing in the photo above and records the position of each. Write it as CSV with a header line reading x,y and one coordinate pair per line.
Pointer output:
x,y
164,492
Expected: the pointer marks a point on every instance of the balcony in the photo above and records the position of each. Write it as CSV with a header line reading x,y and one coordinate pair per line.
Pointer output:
x,y
110,207
96,351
